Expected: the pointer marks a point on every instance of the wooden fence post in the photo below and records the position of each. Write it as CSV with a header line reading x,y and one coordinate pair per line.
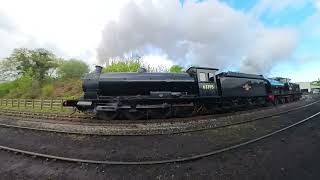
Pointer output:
x,y
41,103
11,102
6,102
18,103
25,103
32,103
51,104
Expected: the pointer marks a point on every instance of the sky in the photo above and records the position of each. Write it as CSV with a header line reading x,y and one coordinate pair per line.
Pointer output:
x,y
270,37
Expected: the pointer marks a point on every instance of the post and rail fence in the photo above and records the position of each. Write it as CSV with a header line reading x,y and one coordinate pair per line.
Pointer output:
x,y
42,104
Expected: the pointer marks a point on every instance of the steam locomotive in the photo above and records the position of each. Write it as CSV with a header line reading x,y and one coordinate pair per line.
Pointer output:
x,y
163,95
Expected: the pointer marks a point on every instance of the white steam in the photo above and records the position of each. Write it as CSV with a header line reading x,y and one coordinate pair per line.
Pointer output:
x,y
209,33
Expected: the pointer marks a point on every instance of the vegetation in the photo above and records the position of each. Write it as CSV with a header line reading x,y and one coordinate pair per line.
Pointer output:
x,y
34,63
123,66
38,73
176,69
316,83
72,69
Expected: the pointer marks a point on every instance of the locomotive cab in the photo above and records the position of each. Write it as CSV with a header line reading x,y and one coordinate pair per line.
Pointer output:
x,y
206,80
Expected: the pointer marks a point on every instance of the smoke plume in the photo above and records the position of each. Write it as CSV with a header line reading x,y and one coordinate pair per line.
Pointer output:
x,y
208,33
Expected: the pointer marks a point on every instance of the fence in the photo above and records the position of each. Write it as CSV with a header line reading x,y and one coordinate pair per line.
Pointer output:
x,y
32,103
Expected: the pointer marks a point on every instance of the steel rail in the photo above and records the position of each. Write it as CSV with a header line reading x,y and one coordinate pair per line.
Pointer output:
x,y
155,134
154,162
80,118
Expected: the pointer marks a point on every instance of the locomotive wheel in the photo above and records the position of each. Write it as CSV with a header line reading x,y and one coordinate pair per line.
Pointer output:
x,y
134,114
159,113
107,115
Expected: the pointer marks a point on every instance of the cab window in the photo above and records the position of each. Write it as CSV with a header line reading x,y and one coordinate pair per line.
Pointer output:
x,y
203,77
211,77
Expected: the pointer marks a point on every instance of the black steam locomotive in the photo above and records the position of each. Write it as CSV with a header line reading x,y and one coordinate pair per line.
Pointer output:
x,y
163,95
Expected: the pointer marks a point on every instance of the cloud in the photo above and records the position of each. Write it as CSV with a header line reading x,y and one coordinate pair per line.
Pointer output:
x,y
12,37
208,34
6,23
271,46
74,26
272,7
318,4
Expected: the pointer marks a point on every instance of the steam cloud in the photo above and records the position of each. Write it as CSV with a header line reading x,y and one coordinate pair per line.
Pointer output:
x,y
209,33
12,37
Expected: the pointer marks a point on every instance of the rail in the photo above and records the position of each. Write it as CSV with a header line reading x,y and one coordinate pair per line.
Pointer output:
x,y
84,119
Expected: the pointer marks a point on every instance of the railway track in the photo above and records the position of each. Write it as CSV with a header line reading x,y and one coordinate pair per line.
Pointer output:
x,y
165,161
86,118
83,118
210,127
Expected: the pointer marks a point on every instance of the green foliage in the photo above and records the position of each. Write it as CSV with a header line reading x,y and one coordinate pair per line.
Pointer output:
x,y
5,88
35,62
47,90
72,69
176,69
123,66
23,87
26,74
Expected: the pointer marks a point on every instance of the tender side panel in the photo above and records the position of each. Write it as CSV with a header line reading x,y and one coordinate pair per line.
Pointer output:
x,y
242,87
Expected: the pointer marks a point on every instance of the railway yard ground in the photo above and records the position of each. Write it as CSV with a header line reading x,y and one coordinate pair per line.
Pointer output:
x,y
228,146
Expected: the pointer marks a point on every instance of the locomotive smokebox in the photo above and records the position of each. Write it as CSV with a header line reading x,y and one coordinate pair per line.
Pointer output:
x,y
98,70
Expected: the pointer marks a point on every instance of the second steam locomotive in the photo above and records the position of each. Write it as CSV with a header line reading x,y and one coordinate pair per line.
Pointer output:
x,y
163,95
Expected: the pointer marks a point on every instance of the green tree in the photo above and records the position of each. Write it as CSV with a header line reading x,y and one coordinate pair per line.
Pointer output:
x,y
36,62
316,83
72,68
123,66
176,69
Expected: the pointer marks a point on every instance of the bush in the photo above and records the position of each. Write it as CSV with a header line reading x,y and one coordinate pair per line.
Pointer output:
x,y
47,90
5,88
23,87
72,69
123,66
176,69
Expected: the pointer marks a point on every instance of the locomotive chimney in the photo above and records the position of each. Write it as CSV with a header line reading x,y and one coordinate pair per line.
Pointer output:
x,y
98,70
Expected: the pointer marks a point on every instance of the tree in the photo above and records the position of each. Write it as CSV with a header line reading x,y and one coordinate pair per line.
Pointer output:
x,y
316,83
8,71
72,68
123,66
35,62
176,69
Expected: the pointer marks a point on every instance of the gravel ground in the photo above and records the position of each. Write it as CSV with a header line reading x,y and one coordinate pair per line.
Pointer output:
x,y
292,155
139,148
289,155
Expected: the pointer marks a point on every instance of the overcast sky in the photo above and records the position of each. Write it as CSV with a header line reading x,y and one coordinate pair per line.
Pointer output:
x,y
272,37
